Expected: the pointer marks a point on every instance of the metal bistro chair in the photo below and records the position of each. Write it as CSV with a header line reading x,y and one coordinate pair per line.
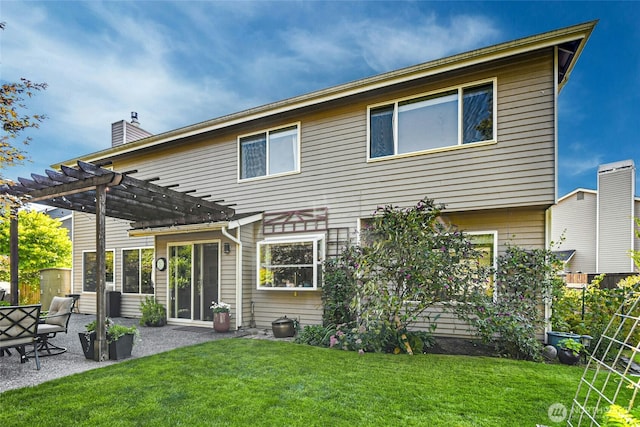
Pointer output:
x,y
56,320
18,327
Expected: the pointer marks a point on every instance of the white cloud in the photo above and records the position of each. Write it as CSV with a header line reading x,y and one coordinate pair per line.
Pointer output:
x,y
203,60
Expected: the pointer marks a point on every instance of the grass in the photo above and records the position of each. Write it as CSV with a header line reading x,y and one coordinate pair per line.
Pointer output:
x,y
256,382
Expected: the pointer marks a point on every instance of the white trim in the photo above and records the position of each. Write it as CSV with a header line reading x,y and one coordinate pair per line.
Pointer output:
x,y
267,132
555,123
319,250
574,192
153,268
195,228
459,89
239,251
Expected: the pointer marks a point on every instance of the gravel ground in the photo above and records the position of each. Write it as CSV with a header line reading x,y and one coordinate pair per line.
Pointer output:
x,y
13,374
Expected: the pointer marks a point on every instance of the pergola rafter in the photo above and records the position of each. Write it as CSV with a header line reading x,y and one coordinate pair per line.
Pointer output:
x,y
106,193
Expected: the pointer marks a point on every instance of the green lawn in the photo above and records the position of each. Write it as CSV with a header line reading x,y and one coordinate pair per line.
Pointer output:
x,y
256,382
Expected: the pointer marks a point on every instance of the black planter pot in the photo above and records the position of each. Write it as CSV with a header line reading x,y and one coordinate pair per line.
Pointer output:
x,y
119,349
87,340
568,357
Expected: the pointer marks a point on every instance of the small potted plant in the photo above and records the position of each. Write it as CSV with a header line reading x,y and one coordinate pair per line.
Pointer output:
x,y
153,313
221,316
569,351
120,339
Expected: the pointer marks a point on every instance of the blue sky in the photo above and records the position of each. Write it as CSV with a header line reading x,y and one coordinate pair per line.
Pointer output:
x,y
180,63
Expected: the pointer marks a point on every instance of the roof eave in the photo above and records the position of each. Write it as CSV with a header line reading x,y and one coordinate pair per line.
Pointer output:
x,y
478,56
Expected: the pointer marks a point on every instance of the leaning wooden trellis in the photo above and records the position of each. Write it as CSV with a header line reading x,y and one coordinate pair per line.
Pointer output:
x,y
612,375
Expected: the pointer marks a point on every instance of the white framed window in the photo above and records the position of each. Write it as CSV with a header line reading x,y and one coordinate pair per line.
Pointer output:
x,y
293,262
487,243
137,271
449,118
89,270
268,153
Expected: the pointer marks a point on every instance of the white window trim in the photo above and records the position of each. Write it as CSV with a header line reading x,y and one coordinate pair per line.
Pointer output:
x,y
318,258
84,270
139,249
460,145
298,126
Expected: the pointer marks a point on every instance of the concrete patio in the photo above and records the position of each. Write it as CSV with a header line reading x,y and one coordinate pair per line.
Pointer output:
x,y
13,374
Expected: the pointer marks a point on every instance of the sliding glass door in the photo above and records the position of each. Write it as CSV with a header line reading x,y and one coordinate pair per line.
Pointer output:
x,y
193,280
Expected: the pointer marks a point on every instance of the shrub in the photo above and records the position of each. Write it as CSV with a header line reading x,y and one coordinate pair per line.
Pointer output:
x,y
153,313
525,280
316,335
600,306
413,261
339,288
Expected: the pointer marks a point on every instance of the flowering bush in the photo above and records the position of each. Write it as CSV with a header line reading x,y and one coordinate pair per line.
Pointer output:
x,y
220,307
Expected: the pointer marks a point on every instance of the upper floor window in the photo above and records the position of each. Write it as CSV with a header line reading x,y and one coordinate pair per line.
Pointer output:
x,y
453,117
137,268
90,268
268,153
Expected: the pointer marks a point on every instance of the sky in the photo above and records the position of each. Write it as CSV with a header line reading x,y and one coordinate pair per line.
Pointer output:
x,y
184,62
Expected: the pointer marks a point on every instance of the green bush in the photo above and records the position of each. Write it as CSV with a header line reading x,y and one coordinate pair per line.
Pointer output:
x,y
153,313
600,306
339,288
525,280
316,335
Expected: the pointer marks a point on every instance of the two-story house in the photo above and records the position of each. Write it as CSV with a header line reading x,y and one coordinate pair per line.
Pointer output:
x,y
476,131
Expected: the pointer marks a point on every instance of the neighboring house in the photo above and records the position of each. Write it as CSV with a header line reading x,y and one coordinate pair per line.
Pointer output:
x,y
596,229
476,131
64,216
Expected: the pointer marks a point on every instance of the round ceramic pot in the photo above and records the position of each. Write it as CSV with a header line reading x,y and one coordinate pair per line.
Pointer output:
x,y
221,322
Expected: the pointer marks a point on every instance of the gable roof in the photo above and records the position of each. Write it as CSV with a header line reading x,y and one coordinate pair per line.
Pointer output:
x,y
570,42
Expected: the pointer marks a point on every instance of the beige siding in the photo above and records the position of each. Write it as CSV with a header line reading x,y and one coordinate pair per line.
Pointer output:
x,y
488,187
516,171
574,218
117,239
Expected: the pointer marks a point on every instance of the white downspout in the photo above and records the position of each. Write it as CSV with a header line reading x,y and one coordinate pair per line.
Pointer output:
x,y
238,243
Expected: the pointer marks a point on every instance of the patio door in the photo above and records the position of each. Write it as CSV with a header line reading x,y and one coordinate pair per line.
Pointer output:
x,y
193,280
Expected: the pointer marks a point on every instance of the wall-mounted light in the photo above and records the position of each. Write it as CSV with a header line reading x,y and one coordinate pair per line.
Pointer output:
x,y
226,247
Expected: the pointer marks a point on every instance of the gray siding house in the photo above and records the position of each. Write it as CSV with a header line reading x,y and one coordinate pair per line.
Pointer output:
x,y
598,226
476,131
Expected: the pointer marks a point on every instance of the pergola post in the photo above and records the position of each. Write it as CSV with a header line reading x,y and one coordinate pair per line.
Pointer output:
x,y
13,254
100,350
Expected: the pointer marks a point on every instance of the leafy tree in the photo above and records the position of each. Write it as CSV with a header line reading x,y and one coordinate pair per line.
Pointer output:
x,y
42,243
413,261
14,118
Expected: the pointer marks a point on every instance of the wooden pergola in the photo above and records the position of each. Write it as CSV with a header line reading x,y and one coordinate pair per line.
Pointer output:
x,y
106,193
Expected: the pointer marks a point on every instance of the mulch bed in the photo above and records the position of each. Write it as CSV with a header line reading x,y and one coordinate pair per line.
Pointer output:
x,y
461,346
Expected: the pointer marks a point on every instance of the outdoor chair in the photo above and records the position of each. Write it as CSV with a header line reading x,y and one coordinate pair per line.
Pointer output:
x,y
56,321
18,328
